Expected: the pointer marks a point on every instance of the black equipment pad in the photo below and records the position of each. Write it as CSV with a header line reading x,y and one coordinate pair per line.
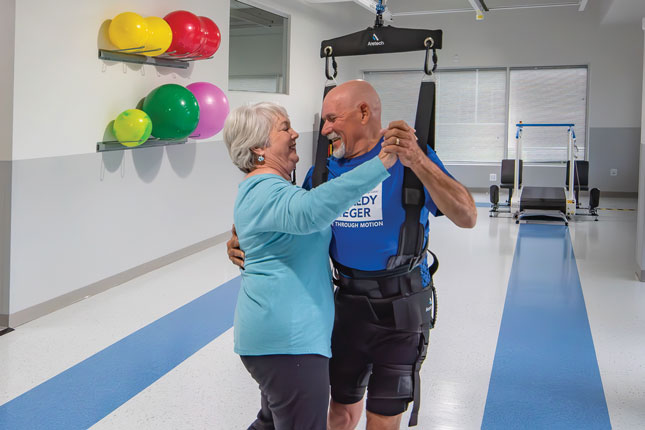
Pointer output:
x,y
547,198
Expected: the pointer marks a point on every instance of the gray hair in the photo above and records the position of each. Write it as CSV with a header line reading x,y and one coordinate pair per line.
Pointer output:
x,y
248,127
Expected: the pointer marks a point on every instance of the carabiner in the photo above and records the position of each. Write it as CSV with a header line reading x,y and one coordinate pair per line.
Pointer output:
x,y
329,54
429,44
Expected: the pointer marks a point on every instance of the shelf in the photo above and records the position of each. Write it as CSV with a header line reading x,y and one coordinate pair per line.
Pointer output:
x,y
114,145
163,60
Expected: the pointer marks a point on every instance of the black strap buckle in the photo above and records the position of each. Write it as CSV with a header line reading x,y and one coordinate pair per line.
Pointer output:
x,y
416,260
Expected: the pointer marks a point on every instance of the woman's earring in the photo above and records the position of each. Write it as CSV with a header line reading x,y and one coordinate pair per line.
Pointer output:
x,y
261,159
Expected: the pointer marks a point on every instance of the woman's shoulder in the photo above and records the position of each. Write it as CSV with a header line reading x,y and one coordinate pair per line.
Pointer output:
x,y
262,180
260,188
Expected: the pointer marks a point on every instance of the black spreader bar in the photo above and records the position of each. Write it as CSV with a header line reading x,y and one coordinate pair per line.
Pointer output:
x,y
382,40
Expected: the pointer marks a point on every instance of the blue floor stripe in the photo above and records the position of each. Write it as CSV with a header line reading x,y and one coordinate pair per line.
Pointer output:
x,y
84,394
545,373
482,204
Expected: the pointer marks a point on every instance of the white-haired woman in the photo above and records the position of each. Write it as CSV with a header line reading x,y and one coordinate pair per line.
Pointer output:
x,y
285,309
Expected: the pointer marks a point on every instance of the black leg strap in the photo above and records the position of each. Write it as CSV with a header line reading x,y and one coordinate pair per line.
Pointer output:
x,y
423,350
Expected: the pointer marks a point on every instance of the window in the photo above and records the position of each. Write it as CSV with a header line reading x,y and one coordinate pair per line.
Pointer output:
x,y
471,109
548,96
471,115
258,49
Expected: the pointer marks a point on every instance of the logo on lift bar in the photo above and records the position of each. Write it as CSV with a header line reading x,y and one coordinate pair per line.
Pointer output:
x,y
375,41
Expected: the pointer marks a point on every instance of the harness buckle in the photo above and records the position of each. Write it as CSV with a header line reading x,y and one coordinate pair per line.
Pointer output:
x,y
415,261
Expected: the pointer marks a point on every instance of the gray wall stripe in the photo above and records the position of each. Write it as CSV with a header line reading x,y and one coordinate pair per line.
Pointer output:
x,y
60,302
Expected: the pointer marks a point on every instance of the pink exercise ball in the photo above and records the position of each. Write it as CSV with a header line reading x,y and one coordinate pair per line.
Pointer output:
x,y
213,109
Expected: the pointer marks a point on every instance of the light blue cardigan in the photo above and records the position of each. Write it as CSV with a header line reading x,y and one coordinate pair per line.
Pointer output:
x,y
286,303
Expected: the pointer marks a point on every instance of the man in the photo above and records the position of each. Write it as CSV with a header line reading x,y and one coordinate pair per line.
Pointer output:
x,y
380,331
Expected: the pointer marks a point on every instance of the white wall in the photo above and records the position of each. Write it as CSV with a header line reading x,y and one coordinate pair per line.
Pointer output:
x,y
79,217
7,27
640,224
65,97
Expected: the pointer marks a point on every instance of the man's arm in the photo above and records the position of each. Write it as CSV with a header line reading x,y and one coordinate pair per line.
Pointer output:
x,y
451,198
235,254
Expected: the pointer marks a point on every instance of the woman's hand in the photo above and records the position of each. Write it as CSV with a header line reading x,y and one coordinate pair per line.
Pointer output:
x,y
388,158
400,139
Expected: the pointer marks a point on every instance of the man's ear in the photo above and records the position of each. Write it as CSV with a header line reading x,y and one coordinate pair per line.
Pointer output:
x,y
366,113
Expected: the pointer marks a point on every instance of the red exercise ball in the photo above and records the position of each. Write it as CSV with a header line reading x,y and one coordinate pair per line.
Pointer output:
x,y
211,38
186,32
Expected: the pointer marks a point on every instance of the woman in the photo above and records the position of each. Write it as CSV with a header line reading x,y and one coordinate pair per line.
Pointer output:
x,y
285,309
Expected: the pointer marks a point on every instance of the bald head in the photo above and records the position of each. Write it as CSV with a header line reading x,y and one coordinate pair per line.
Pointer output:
x,y
352,93
352,115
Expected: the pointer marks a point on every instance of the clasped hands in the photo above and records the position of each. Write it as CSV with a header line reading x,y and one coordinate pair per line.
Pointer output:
x,y
399,140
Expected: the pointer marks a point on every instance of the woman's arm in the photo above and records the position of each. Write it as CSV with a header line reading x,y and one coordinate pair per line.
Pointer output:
x,y
285,208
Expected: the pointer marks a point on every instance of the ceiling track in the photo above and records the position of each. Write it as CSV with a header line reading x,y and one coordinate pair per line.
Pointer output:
x,y
579,5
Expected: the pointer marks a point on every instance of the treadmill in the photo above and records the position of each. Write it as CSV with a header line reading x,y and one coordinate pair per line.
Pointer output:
x,y
543,203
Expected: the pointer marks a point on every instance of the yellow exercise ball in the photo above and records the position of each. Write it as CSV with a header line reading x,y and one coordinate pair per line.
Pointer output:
x,y
128,30
132,127
159,36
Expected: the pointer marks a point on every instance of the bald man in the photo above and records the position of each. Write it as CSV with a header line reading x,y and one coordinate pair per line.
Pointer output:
x,y
382,320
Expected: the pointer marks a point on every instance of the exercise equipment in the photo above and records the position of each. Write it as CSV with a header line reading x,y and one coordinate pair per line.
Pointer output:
x,y
213,109
128,30
132,127
506,181
548,203
159,36
211,38
174,111
186,33
580,178
581,182
381,39
507,177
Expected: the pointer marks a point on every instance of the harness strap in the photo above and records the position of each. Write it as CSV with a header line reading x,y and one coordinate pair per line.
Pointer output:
x,y
319,174
411,236
386,273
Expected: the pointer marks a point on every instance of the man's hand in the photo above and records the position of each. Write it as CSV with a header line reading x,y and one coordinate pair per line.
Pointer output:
x,y
399,138
451,198
235,254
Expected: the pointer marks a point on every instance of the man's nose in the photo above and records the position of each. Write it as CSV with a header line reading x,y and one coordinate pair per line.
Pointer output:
x,y
326,128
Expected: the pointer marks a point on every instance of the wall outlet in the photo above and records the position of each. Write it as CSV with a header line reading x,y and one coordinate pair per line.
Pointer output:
x,y
613,172
493,177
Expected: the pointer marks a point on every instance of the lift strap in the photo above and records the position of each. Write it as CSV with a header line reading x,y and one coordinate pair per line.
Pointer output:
x,y
323,150
411,236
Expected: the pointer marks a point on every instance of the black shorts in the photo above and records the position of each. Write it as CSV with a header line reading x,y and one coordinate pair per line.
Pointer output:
x,y
294,391
367,353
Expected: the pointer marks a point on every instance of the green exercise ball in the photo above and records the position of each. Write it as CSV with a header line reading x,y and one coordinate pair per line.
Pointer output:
x,y
173,110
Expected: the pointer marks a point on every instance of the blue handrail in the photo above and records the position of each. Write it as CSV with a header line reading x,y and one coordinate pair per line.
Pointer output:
x,y
544,125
